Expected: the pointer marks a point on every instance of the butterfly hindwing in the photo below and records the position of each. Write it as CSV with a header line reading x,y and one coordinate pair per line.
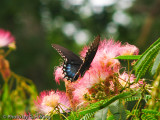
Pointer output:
x,y
71,64
70,70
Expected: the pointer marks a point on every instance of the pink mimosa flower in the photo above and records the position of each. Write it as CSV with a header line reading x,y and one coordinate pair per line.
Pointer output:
x,y
5,38
129,50
103,65
58,74
125,78
100,78
50,101
78,96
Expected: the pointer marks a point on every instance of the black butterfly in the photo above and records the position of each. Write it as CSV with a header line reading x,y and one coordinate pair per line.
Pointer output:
x,y
73,65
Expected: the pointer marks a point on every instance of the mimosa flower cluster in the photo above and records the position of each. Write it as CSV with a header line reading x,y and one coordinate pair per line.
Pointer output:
x,y
51,101
102,80
6,40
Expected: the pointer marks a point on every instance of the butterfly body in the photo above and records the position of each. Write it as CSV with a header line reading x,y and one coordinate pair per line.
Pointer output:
x,y
73,65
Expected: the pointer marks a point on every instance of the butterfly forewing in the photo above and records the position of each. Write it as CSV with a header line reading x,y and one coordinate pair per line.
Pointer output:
x,y
67,54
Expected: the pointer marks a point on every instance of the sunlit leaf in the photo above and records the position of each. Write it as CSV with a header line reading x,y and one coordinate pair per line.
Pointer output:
x,y
128,57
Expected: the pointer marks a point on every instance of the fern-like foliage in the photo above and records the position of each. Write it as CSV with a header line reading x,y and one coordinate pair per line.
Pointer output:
x,y
113,99
113,109
100,109
88,116
133,98
148,117
93,108
145,114
151,112
146,59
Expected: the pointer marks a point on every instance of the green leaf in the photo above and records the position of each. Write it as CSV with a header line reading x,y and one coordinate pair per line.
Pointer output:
x,y
128,57
151,47
156,64
101,114
146,63
5,94
55,117
111,117
73,116
6,101
146,59
118,110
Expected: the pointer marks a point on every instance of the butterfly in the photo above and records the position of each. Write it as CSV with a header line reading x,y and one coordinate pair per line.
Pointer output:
x,y
73,65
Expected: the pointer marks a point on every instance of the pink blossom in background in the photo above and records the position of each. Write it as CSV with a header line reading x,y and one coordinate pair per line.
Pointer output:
x,y
49,101
5,38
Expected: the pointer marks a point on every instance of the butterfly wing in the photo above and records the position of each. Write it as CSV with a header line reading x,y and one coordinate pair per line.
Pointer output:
x,y
71,64
89,57
66,54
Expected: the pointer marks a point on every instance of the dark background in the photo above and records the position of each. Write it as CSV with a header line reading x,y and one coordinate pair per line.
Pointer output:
x,y
36,24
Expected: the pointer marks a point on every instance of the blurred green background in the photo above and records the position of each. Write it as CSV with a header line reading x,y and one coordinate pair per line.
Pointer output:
x,y
36,24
